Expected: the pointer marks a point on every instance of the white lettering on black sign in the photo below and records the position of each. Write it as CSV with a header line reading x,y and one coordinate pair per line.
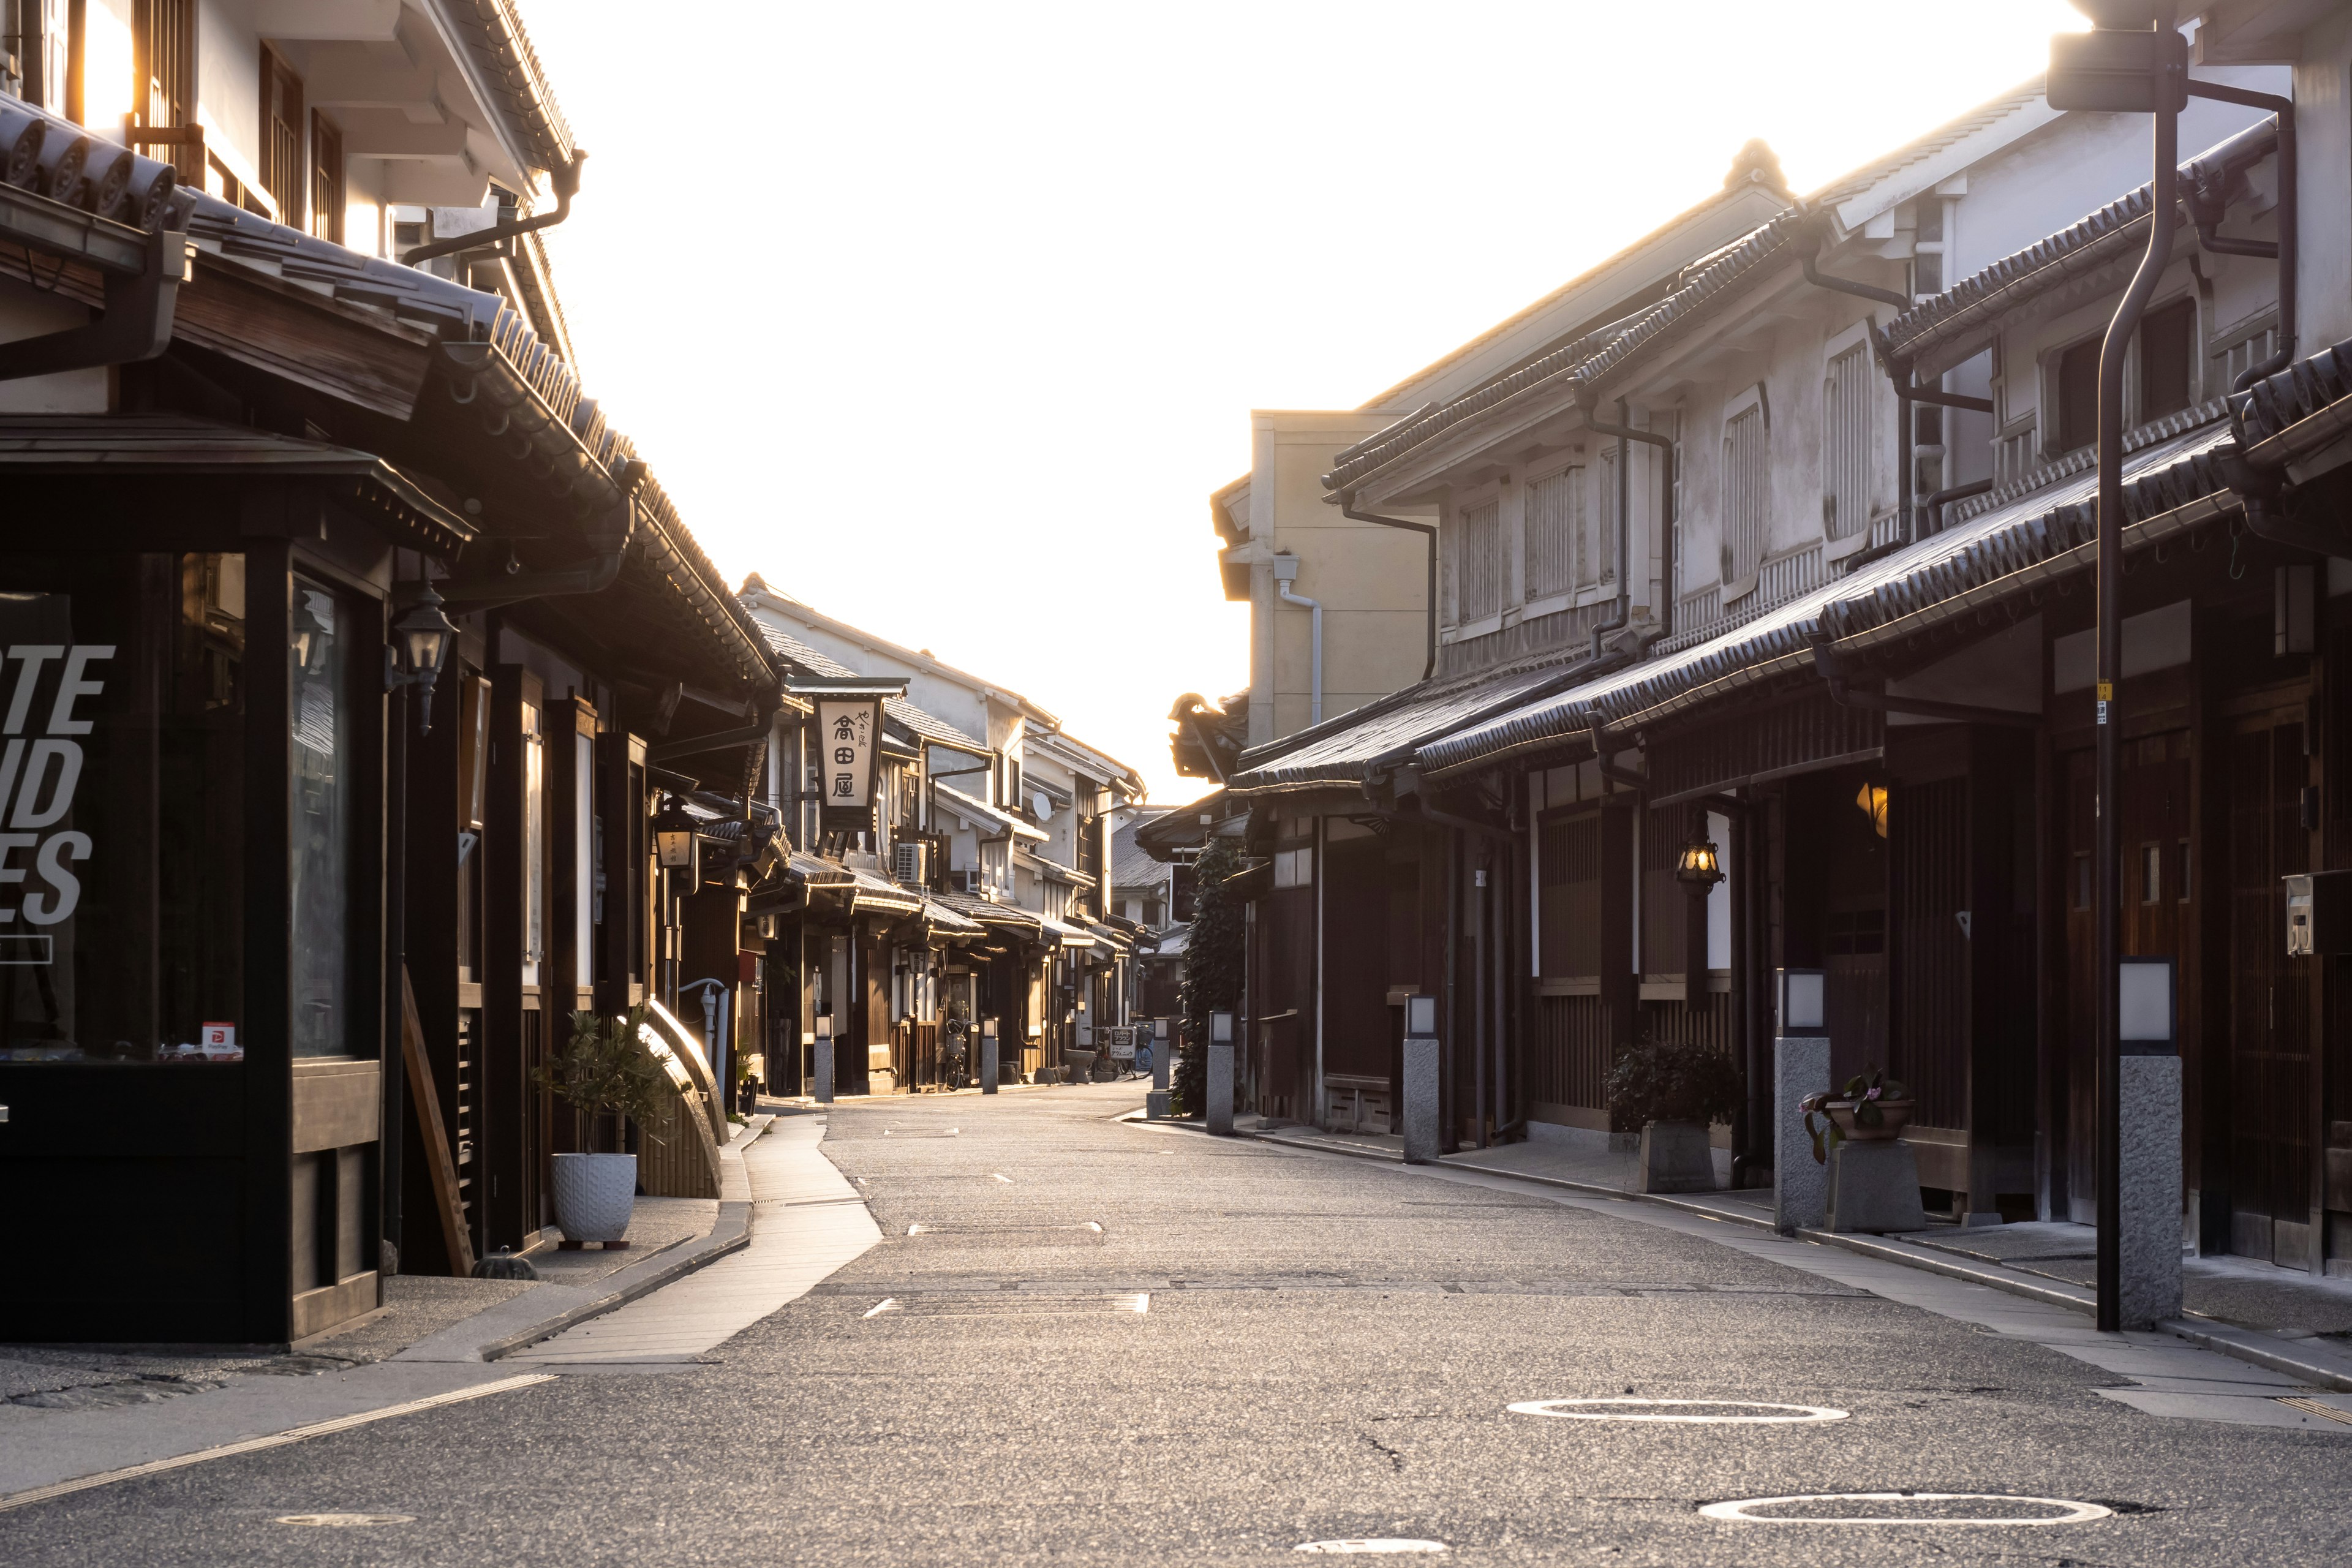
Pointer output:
x,y
40,770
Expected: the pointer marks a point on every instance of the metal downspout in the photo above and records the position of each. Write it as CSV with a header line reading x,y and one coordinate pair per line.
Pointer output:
x,y
1624,432
1282,586
1429,531
1448,1141
566,183
2109,816
2289,225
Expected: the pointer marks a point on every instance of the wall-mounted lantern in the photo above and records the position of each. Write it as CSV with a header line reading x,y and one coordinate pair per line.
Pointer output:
x,y
1699,866
674,834
423,637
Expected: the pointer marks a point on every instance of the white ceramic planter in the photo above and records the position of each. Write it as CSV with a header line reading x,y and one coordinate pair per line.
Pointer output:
x,y
593,1193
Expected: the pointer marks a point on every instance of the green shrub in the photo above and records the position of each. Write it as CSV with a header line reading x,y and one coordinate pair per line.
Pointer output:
x,y
1671,1080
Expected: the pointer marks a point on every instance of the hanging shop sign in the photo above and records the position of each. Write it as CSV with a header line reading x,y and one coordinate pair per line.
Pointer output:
x,y
846,730
846,748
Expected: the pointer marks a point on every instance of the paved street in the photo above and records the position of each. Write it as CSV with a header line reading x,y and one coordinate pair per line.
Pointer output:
x,y
1108,1342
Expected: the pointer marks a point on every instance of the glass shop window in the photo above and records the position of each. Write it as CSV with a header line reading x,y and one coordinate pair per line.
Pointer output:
x,y
122,808
318,858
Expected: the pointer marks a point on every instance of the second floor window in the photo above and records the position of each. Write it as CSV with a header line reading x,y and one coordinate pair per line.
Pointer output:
x,y
1745,497
2167,338
2077,398
283,125
326,178
1478,561
1846,444
1556,528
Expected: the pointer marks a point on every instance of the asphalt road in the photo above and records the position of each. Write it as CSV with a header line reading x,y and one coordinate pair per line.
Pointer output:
x,y
1329,1351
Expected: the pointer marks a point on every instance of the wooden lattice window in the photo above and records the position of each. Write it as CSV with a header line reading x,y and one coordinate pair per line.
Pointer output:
x,y
164,76
282,127
326,178
1556,525
1745,497
1567,879
1478,561
1846,444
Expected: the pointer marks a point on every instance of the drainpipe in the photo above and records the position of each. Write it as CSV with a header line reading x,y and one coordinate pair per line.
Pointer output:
x,y
1624,432
1905,394
566,181
1832,669
1428,530
135,325
1448,1141
2107,898
1604,753
1286,572
593,576
1935,503
2284,246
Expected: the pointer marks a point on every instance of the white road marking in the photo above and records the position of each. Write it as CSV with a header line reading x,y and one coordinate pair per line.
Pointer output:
x,y
1370,1543
886,1304
1666,1410
345,1521
1736,1510
273,1440
1006,1179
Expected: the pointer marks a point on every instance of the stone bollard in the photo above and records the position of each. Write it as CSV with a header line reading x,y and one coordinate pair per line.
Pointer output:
x,y
2148,1238
823,1088
1221,1087
1420,1099
1801,1066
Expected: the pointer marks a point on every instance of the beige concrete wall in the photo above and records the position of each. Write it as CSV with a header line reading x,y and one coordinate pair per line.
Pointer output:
x,y
1369,579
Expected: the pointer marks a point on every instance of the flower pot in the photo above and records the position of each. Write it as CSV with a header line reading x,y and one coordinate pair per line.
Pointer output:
x,y
593,1193
1675,1158
1894,1115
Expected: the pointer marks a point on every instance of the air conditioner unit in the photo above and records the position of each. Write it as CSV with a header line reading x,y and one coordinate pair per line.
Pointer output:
x,y
914,867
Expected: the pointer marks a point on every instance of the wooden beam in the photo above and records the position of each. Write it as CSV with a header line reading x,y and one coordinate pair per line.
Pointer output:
x,y
442,1164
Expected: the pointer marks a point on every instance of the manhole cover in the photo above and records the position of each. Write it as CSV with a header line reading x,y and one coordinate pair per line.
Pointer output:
x,y
1906,1508
1370,1543
343,1521
1688,1412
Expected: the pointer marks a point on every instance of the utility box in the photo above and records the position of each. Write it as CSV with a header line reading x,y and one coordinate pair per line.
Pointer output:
x,y
2319,913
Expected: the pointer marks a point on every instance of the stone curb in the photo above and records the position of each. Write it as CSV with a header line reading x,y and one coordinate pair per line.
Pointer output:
x,y
1594,1189
2315,1365
732,1233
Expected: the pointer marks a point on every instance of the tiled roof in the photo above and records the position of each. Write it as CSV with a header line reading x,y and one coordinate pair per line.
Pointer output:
x,y
1946,572
1709,283
914,720
1962,314
2307,399
1339,750
1006,917
1130,866
972,806
494,37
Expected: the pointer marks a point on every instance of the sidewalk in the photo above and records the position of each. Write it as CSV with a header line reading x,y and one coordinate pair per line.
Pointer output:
x,y
72,1416
2282,1319
808,1222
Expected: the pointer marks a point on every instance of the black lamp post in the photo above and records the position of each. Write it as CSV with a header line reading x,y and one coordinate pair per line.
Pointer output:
x,y
422,641
2133,61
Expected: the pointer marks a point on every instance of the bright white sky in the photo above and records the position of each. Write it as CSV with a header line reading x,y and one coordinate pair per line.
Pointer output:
x,y
948,318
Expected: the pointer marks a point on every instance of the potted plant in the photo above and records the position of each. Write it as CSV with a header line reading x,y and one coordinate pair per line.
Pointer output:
x,y
1872,1109
605,1067
1670,1090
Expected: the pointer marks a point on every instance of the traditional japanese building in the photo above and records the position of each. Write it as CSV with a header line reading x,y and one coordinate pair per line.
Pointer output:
x,y
352,652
